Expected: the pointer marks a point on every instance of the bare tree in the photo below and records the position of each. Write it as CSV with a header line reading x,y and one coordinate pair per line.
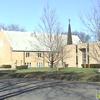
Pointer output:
x,y
52,40
12,27
3,26
94,51
83,36
91,20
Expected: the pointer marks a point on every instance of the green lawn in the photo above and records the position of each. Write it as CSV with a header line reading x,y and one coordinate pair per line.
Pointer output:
x,y
77,70
41,69
46,69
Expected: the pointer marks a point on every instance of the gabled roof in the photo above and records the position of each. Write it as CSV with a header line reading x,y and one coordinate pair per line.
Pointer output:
x,y
25,41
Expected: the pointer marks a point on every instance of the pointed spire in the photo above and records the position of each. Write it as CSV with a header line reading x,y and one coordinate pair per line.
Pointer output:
x,y
69,21
69,37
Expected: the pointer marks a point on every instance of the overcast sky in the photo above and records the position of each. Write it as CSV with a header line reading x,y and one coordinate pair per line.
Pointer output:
x,y
27,13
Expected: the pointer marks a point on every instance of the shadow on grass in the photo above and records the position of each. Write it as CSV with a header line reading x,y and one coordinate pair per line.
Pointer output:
x,y
95,78
69,76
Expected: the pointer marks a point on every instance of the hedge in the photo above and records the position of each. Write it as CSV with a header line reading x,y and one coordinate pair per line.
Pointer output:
x,y
6,66
85,65
90,65
22,67
95,65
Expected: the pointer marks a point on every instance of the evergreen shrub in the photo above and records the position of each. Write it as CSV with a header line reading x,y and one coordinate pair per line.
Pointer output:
x,y
6,66
22,67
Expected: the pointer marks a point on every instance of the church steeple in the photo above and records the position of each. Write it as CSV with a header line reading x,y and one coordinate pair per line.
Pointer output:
x,y
69,36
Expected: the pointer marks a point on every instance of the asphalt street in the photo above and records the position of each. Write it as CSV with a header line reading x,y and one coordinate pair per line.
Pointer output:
x,y
29,89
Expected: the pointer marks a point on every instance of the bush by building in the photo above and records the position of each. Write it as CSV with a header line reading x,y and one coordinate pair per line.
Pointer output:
x,y
90,65
6,66
22,67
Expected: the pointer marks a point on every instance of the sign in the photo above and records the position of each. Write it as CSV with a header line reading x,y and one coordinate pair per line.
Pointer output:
x,y
98,95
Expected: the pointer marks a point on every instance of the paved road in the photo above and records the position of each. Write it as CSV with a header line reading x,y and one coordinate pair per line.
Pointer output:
x,y
28,89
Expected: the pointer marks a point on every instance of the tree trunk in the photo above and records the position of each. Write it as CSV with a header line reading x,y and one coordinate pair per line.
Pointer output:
x,y
51,63
51,67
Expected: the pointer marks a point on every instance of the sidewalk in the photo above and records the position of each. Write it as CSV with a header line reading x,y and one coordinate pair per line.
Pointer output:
x,y
7,69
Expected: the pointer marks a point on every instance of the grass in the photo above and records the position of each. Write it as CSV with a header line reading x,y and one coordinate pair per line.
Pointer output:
x,y
78,70
41,69
68,70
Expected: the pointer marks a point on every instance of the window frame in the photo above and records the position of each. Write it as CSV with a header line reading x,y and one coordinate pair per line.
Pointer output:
x,y
39,55
39,64
27,54
28,63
